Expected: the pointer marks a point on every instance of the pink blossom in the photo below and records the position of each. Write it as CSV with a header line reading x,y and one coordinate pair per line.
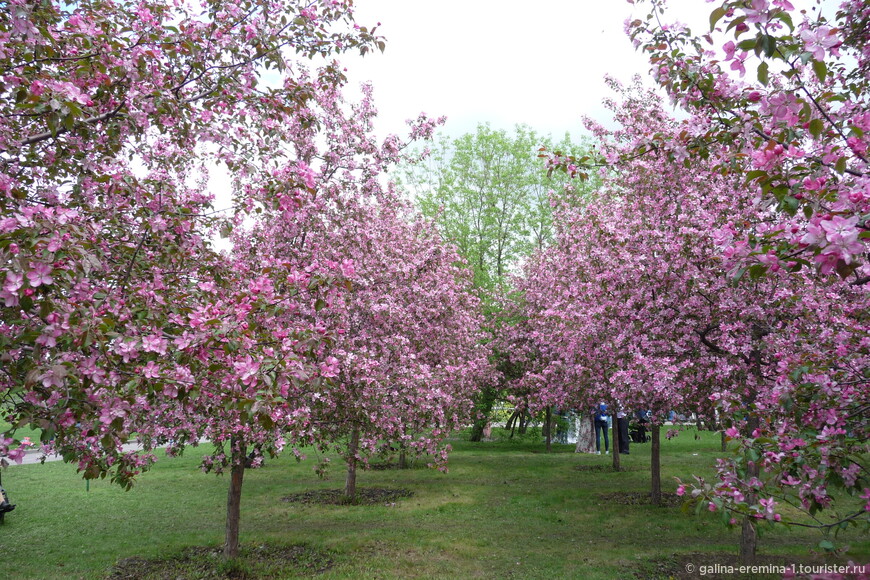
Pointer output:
x,y
40,274
154,343
247,370
71,92
758,13
819,40
347,268
839,229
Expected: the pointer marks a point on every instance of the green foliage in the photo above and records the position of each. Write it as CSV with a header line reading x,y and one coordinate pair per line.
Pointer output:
x,y
490,195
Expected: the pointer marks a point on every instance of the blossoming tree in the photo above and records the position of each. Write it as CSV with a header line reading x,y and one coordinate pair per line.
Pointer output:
x,y
118,317
405,342
800,441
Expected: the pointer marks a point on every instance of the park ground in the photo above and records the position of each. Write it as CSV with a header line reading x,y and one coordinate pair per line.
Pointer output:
x,y
505,509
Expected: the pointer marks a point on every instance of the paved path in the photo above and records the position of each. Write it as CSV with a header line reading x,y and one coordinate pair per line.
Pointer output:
x,y
35,456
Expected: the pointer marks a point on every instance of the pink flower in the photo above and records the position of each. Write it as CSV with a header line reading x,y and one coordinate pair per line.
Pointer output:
x,y
154,343
151,370
329,368
738,63
40,275
247,370
819,40
54,376
758,13
71,92
840,229
347,268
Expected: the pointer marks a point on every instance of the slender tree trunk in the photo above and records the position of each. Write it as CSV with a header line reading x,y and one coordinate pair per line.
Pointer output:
x,y
656,465
483,404
350,482
614,443
524,422
749,535
549,428
511,424
234,500
403,458
724,441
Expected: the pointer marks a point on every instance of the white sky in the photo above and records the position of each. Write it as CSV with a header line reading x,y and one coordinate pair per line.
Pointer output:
x,y
507,61
502,61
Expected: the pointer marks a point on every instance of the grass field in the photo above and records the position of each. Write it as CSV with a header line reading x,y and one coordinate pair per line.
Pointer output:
x,y
506,509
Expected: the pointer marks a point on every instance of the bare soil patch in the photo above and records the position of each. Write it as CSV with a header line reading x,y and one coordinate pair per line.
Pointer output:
x,y
364,496
669,499
605,468
262,561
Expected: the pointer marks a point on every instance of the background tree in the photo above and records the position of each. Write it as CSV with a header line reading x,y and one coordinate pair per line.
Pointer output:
x,y
490,195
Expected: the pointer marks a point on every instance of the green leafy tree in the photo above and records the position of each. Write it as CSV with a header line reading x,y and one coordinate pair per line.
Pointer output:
x,y
491,195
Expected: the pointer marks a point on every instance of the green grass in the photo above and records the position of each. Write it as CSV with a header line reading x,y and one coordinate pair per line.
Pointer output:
x,y
505,510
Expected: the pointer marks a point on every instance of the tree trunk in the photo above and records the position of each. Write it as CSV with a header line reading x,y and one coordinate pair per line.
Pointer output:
x,y
350,482
614,443
524,422
656,465
483,405
403,458
749,535
549,429
511,424
724,441
234,500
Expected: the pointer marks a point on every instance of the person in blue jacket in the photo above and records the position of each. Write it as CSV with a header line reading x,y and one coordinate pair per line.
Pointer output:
x,y
600,413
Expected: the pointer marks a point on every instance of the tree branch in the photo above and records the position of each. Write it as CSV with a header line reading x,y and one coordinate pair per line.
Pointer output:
x,y
33,139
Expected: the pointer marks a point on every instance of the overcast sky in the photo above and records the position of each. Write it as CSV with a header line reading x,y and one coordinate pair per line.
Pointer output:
x,y
502,61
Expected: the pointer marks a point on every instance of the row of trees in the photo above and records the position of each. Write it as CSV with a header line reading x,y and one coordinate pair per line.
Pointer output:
x,y
338,318
723,265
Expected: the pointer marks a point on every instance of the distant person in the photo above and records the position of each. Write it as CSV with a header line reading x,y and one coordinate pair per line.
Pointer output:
x,y
622,428
640,432
601,427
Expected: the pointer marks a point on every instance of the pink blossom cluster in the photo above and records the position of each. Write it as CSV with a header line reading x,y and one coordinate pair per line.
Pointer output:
x,y
646,300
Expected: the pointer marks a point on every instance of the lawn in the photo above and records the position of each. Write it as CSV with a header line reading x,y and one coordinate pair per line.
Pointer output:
x,y
506,509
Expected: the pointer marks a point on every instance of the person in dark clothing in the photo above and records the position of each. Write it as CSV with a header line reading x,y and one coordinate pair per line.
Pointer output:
x,y
622,427
600,413
638,432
